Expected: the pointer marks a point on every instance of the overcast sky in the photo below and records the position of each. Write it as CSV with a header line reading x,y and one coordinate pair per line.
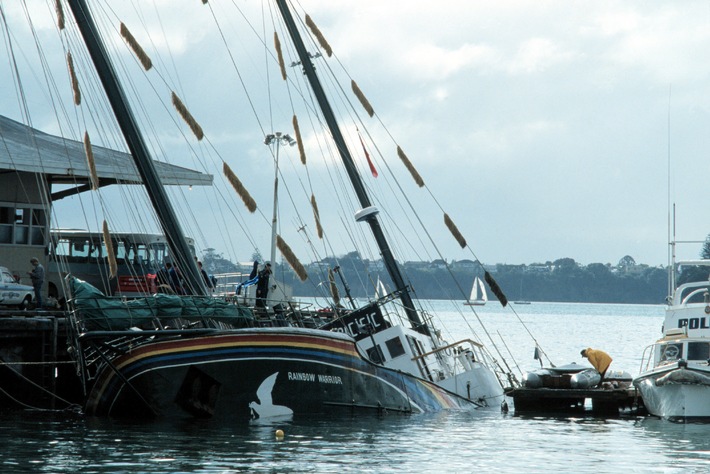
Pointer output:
x,y
552,117
545,128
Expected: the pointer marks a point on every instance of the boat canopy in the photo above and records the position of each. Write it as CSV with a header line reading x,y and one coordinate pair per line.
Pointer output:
x,y
99,312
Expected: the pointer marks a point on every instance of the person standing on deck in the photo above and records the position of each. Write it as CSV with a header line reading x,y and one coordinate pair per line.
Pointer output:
x,y
37,277
162,278
174,279
262,286
205,277
600,360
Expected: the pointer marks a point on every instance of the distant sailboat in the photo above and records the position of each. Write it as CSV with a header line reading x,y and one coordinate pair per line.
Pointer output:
x,y
478,297
522,301
380,290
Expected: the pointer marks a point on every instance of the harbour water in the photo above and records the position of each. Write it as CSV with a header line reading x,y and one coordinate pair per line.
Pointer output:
x,y
483,440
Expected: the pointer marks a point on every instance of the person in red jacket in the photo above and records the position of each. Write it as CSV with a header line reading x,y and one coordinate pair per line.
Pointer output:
x,y
600,360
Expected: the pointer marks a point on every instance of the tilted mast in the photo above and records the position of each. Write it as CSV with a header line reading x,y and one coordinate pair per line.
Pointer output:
x,y
177,243
368,212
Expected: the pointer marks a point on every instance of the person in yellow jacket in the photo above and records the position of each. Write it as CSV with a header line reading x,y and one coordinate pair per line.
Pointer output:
x,y
600,360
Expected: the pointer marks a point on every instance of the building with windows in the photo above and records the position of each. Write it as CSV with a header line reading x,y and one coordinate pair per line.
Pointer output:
x,y
37,169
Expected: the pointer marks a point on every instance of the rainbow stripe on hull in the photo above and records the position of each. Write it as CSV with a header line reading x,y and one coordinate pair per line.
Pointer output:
x,y
250,373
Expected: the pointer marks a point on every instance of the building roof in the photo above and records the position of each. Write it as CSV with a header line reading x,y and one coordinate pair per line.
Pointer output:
x,y
23,148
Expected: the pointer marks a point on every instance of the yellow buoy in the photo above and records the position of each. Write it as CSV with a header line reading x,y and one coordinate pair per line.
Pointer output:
x,y
279,434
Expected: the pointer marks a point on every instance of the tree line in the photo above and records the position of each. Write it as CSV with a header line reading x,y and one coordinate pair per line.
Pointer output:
x,y
562,280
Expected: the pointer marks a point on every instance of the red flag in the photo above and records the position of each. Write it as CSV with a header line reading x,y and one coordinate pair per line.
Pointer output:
x,y
367,155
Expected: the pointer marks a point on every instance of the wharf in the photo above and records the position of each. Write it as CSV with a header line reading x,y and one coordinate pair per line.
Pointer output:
x,y
604,401
36,370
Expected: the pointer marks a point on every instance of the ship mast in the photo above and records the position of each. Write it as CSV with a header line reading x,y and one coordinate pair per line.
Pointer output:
x,y
177,243
368,212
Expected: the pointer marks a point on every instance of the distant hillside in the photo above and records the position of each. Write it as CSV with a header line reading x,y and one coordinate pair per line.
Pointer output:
x,y
563,280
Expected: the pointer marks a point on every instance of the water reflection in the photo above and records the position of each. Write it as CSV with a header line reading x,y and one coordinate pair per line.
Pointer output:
x,y
685,444
482,440
446,442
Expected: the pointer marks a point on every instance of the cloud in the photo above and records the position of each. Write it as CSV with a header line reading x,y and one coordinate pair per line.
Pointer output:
x,y
431,62
552,115
537,54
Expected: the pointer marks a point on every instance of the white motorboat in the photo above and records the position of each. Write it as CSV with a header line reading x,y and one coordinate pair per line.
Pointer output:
x,y
675,373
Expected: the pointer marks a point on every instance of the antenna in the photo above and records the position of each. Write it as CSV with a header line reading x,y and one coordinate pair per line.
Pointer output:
x,y
671,210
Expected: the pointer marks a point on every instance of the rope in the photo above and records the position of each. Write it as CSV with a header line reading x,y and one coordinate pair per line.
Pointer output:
x,y
37,363
70,406
31,382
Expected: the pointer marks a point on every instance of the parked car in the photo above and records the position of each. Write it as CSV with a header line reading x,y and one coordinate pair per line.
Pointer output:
x,y
13,293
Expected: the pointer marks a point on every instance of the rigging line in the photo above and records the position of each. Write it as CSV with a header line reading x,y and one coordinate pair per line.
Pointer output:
x,y
321,274
62,262
367,130
234,64
202,164
36,385
363,283
320,285
448,267
537,343
22,101
303,96
417,217
315,286
80,116
386,129
326,242
310,106
170,52
155,145
515,362
21,96
266,66
141,105
347,201
242,82
308,176
426,232
396,196
352,110
670,232
23,404
282,181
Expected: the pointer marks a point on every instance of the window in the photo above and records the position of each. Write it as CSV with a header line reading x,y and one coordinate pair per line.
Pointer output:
x,y
22,225
38,226
375,354
80,249
158,253
6,224
671,351
62,248
6,214
395,347
698,351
